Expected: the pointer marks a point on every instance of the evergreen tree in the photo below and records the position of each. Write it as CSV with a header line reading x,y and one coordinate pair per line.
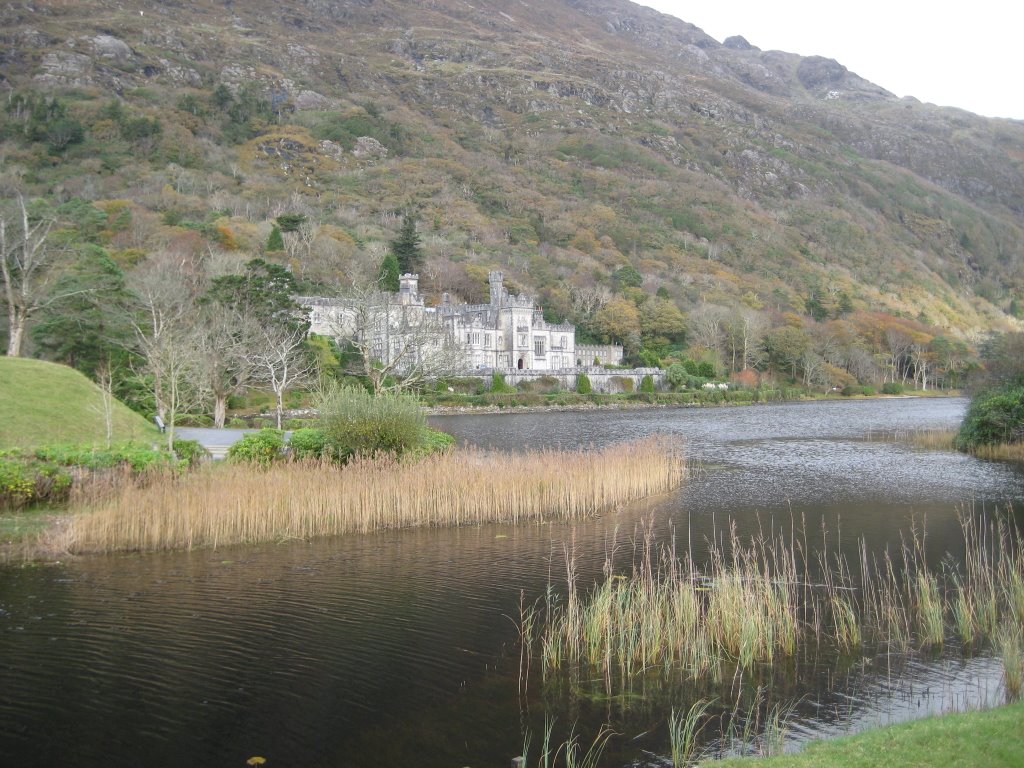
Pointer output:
x,y
275,242
389,273
406,247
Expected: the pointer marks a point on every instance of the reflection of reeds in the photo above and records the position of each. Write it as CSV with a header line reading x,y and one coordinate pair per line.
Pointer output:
x,y
755,606
230,504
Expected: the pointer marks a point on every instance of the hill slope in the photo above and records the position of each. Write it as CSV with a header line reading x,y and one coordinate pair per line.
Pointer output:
x,y
44,404
559,141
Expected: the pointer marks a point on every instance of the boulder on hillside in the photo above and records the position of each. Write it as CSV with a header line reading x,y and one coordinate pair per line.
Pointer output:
x,y
110,47
739,43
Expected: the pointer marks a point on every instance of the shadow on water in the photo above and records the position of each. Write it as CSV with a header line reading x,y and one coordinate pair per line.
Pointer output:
x,y
400,648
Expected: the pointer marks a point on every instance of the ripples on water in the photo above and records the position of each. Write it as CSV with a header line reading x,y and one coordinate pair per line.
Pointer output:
x,y
399,648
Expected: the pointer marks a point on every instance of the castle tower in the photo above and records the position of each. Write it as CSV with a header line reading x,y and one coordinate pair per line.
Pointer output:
x,y
496,280
408,289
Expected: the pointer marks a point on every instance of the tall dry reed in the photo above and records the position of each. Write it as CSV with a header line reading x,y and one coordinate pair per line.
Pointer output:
x,y
757,605
230,504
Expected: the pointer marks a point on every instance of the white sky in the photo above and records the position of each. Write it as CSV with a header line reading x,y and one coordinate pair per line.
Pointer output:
x,y
963,54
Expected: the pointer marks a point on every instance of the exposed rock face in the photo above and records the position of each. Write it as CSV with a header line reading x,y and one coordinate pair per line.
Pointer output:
x,y
65,69
311,100
817,72
739,43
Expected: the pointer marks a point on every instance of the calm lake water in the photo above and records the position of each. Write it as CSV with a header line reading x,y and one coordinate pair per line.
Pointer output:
x,y
399,649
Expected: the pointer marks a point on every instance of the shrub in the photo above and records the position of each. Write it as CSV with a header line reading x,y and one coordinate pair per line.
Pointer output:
x,y
994,416
25,481
138,457
647,384
308,443
892,388
190,451
435,441
498,383
357,423
261,447
706,369
583,384
676,375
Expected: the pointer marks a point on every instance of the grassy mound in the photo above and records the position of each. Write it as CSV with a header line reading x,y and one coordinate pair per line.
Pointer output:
x,y
45,404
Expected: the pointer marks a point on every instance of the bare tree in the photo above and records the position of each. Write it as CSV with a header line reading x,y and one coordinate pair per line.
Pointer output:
x,y
705,327
105,408
398,345
224,347
165,309
744,330
280,361
27,267
176,364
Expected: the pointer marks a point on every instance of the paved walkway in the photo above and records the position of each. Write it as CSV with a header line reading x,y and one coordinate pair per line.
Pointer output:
x,y
216,441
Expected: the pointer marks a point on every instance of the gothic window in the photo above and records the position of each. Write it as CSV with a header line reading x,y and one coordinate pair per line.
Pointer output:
x,y
522,339
538,346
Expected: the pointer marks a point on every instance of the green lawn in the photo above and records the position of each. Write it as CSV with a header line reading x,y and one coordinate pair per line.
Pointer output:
x,y
45,404
990,739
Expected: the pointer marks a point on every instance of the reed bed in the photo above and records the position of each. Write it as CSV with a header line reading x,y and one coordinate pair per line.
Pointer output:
x,y
945,440
763,602
244,503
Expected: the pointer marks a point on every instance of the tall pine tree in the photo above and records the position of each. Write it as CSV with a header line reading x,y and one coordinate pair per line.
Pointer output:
x,y
406,247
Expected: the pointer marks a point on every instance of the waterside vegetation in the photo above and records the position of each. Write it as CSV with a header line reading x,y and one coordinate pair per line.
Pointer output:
x,y
247,502
762,602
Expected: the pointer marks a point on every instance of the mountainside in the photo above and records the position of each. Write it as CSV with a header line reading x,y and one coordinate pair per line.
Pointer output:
x,y
560,141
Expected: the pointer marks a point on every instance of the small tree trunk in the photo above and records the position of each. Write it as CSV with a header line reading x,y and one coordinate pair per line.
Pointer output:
x,y
280,406
17,333
220,408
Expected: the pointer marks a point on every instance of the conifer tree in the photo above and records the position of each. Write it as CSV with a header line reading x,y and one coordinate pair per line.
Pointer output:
x,y
389,273
275,242
406,247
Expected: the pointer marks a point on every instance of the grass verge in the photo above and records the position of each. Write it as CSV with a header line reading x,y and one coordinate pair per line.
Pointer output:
x,y
988,739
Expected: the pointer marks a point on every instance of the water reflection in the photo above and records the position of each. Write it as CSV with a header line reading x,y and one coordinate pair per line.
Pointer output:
x,y
399,648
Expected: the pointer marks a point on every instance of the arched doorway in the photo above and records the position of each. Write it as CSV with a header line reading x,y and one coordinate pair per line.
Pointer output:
x,y
519,365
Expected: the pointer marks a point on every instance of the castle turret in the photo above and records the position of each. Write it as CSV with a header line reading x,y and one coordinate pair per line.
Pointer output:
x,y
496,280
408,289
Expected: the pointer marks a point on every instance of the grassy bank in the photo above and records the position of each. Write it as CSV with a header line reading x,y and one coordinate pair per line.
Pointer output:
x,y
45,404
236,503
989,739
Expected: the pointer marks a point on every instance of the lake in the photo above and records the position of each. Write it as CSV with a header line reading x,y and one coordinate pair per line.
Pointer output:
x,y
400,648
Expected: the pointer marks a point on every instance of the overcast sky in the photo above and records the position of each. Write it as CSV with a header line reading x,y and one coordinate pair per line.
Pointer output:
x,y
964,54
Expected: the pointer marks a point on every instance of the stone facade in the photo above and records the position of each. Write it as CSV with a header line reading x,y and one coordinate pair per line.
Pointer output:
x,y
507,333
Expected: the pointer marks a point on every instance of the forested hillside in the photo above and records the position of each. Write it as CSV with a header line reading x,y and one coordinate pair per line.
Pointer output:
x,y
660,189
